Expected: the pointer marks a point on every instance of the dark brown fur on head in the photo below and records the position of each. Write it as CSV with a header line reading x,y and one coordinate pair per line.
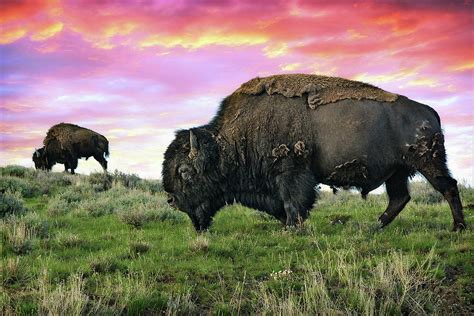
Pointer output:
x,y
39,158
189,173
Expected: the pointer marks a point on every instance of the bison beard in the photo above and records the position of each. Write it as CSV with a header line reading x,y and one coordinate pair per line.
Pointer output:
x,y
267,149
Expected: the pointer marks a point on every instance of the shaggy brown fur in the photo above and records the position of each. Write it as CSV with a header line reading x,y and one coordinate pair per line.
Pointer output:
x,y
63,133
267,149
66,143
347,172
320,89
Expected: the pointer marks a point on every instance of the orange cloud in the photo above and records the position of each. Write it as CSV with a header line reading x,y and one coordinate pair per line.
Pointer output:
x,y
12,35
47,31
37,18
198,41
463,67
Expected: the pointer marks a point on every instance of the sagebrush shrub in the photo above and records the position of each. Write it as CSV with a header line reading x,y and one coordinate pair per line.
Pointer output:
x,y
11,204
136,217
16,171
69,199
130,181
22,186
100,181
49,181
133,181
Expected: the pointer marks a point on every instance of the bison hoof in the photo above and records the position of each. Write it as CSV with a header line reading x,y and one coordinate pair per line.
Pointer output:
x,y
459,227
381,225
383,221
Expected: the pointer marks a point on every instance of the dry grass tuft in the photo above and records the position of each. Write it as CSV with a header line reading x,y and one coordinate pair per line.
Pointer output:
x,y
17,235
67,298
200,244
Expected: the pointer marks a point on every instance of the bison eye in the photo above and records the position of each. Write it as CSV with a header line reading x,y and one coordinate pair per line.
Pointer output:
x,y
185,172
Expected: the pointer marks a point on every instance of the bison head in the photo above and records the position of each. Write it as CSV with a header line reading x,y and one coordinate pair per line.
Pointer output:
x,y
40,159
191,175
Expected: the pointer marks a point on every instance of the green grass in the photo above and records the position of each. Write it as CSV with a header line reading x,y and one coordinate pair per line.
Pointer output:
x,y
120,250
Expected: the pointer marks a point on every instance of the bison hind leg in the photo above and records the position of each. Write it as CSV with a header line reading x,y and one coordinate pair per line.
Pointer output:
x,y
438,176
431,163
398,196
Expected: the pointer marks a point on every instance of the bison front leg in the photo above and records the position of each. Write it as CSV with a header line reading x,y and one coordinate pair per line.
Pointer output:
x,y
296,189
398,196
101,159
73,165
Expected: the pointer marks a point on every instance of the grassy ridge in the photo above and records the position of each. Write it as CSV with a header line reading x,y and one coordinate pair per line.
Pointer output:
x,y
109,244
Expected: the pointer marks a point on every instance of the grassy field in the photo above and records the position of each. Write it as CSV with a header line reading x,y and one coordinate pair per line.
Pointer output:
x,y
109,244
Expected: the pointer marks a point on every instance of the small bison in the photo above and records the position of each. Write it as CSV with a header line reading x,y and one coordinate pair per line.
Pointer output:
x,y
276,138
66,143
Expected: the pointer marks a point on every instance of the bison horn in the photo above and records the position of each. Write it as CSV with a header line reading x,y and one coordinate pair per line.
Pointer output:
x,y
193,142
37,153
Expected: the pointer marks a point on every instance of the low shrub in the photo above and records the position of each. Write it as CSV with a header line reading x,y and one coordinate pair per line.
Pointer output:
x,y
69,199
140,214
100,181
122,200
22,186
97,206
16,171
50,181
11,204
57,206
130,181
133,181
136,217
152,186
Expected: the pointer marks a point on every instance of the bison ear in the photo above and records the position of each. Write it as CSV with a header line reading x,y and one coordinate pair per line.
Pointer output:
x,y
194,145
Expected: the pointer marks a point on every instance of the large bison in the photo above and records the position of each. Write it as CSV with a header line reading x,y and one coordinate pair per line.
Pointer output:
x,y
275,138
66,143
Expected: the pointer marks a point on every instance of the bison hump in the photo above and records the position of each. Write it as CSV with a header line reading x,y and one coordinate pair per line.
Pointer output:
x,y
320,89
63,133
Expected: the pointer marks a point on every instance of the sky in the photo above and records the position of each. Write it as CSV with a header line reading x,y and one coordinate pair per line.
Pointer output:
x,y
136,71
